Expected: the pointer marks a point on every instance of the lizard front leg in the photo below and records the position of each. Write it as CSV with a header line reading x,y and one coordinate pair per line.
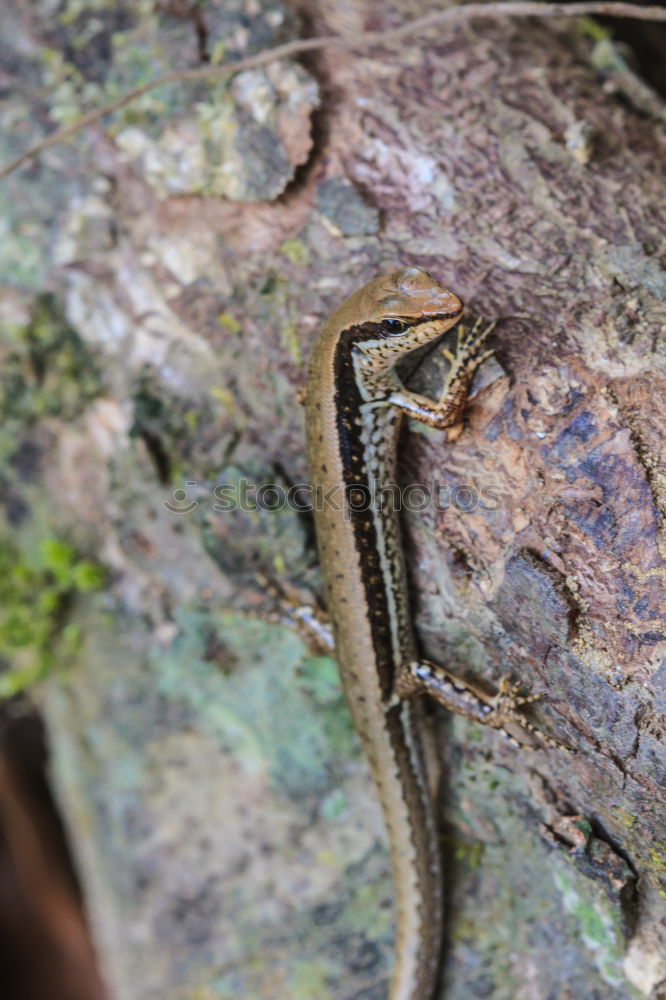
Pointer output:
x,y
447,410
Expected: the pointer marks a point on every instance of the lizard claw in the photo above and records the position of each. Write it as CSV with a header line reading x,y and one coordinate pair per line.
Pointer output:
x,y
467,358
505,707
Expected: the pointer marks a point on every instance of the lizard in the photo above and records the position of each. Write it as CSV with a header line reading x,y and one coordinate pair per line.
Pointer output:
x,y
354,405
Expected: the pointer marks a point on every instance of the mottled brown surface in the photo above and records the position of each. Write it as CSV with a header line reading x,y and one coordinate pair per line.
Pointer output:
x,y
223,821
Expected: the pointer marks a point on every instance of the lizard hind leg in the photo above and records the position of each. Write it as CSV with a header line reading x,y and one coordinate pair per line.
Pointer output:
x,y
425,677
499,711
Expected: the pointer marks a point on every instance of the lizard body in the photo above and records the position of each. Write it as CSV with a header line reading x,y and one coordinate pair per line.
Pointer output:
x,y
354,405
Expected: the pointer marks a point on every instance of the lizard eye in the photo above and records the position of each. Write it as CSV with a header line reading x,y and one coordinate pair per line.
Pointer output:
x,y
393,327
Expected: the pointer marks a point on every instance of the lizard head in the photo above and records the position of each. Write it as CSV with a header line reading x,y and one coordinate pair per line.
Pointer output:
x,y
411,296
395,314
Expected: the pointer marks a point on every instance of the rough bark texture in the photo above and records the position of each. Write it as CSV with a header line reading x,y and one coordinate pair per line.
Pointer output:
x,y
221,815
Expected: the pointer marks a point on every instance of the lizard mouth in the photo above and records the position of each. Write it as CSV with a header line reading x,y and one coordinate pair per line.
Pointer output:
x,y
450,314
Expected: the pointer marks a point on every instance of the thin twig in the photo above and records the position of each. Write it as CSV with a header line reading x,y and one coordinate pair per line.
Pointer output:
x,y
362,40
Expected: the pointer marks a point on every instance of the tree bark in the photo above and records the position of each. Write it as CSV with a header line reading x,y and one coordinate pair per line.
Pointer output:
x,y
221,814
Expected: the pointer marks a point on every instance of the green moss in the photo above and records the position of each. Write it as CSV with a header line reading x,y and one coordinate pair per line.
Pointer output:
x,y
584,826
658,858
110,50
626,819
49,372
468,852
296,251
35,598
219,53
591,28
229,322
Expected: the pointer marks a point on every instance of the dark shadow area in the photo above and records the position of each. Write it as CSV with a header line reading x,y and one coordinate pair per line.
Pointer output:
x,y
46,952
647,42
